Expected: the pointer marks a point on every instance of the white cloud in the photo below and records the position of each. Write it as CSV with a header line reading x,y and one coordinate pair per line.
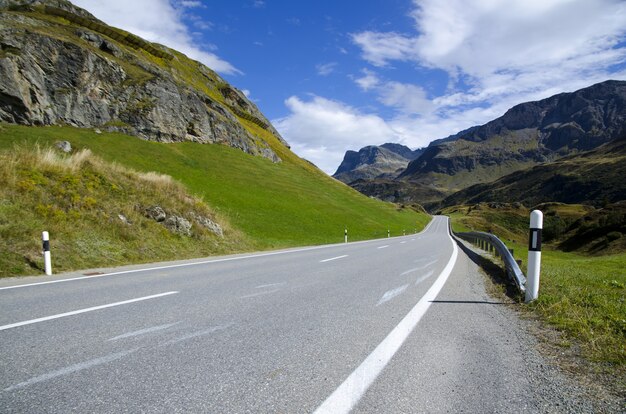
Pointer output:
x,y
406,98
368,81
523,44
497,53
325,69
321,130
157,21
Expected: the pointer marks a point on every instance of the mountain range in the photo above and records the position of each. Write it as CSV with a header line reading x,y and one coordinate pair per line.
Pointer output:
x,y
128,151
530,134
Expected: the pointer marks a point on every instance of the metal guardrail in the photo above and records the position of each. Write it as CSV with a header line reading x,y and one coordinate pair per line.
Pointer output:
x,y
490,242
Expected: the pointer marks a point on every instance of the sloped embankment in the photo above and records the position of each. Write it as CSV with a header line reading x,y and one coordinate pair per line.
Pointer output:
x,y
98,214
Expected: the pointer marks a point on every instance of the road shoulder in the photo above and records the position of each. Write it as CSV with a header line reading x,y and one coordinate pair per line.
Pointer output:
x,y
472,353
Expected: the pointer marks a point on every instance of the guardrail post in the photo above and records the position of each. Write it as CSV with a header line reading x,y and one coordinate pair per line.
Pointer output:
x,y
534,255
47,261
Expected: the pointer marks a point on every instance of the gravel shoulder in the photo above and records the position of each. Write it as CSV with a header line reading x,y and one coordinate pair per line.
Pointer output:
x,y
472,352
566,382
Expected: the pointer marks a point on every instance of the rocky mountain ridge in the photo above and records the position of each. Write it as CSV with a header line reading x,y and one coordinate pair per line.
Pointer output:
x,y
527,135
384,161
61,65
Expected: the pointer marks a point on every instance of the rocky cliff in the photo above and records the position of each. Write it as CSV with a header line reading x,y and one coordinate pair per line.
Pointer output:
x,y
527,135
384,161
61,65
530,133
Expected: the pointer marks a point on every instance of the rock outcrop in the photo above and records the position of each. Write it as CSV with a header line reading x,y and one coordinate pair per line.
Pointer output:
x,y
384,161
60,65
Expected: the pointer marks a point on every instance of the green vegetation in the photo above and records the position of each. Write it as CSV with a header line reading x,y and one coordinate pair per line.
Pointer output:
x,y
580,295
275,205
94,211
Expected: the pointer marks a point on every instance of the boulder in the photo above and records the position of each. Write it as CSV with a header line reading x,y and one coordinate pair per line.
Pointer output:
x,y
179,225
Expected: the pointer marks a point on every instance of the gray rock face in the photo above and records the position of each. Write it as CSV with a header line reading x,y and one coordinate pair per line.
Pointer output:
x,y
64,146
536,132
385,161
208,224
156,213
178,225
86,79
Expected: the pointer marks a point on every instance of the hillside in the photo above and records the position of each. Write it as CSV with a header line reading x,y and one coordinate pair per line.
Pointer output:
x,y
268,205
99,214
527,135
593,177
148,109
384,161
61,65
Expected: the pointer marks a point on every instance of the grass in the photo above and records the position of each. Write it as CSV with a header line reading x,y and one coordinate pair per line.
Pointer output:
x,y
581,296
94,211
275,205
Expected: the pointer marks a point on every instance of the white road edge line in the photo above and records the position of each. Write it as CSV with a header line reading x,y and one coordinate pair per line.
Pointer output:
x,y
227,259
76,312
333,258
348,394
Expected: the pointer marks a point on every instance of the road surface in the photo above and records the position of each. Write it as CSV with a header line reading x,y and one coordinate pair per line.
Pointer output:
x,y
390,325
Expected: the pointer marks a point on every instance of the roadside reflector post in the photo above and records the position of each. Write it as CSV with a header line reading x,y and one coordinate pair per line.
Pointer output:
x,y
47,261
345,236
534,255
388,234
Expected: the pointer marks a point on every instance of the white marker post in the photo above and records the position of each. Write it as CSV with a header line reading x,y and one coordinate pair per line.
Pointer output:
x,y
534,255
345,236
47,261
388,234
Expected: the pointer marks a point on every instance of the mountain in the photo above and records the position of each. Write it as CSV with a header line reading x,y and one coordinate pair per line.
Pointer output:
x,y
594,177
61,65
384,161
127,151
527,135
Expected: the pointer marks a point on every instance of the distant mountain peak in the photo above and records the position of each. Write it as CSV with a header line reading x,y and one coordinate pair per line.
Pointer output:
x,y
373,161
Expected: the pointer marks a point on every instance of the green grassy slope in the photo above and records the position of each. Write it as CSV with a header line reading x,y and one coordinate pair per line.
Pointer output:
x,y
274,205
95,213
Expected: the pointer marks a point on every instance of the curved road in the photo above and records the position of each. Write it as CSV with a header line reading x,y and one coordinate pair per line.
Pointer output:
x,y
390,325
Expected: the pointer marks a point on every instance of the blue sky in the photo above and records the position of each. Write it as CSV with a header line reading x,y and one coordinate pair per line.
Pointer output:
x,y
339,75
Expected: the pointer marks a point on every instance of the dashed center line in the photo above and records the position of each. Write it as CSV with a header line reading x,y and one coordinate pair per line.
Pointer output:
x,y
333,258
383,247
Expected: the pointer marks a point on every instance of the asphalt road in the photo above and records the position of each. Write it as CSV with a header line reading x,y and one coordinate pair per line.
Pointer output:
x,y
359,327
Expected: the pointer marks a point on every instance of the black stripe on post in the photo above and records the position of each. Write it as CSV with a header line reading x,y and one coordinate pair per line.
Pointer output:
x,y
534,240
46,245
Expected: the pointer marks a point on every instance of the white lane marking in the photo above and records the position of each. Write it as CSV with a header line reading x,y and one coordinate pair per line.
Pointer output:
x,y
226,259
402,242
333,258
76,312
390,294
259,294
143,331
348,394
383,247
197,334
71,369
412,239
270,285
424,277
